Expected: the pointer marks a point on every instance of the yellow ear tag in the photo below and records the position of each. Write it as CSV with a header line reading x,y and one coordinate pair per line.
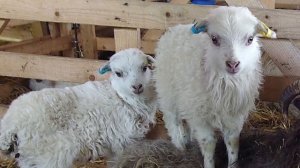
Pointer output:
x,y
268,33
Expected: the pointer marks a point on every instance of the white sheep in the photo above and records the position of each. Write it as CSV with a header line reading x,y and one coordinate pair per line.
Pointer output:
x,y
53,127
209,81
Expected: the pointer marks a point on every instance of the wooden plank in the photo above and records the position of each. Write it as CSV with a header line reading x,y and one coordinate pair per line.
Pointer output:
x,y
137,14
88,41
269,4
127,38
153,35
288,4
108,44
285,55
279,4
49,67
14,23
273,87
66,30
4,24
43,45
180,1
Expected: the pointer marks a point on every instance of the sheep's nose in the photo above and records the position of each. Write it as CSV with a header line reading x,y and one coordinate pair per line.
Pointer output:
x,y
232,64
137,89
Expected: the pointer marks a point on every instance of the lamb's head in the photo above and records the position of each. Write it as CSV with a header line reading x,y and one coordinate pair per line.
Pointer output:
x,y
233,45
131,73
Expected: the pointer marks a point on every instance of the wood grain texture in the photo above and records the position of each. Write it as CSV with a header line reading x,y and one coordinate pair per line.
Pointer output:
x,y
88,41
285,55
273,87
127,38
288,4
49,67
4,24
108,44
136,14
42,46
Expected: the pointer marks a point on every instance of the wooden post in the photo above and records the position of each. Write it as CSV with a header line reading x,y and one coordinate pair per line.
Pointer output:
x,y
127,38
65,30
88,41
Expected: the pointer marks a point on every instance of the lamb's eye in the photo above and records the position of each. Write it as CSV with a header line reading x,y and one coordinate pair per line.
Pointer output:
x,y
250,40
119,74
144,68
215,40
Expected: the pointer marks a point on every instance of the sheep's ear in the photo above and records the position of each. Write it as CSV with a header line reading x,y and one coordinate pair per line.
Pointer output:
x,y
199,27
105,68
150,62
264,31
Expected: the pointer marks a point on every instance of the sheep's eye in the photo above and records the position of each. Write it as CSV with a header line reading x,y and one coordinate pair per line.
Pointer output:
x,y
250,40
215,40
119,74
144,69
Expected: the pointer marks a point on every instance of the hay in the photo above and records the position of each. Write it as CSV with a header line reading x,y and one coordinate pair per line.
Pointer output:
x,y
268,119
11,88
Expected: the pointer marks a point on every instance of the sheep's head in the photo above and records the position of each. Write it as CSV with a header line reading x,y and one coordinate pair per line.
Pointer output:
x,y
131,72
233,46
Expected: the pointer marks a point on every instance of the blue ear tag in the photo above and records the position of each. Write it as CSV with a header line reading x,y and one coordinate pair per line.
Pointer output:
x,y
196,30
105,69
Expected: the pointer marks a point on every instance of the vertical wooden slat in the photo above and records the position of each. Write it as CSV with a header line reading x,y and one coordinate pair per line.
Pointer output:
x,y
127,38
88,41
65,30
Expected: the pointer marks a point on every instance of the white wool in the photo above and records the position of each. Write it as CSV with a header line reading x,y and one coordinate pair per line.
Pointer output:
x,y
56,126
193,84
36,85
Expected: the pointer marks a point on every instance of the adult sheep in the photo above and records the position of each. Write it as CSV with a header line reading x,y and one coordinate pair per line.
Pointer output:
x,y
53,127
210,80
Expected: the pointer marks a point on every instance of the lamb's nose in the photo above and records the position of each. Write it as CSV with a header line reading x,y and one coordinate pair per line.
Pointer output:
x,y
232,64
137,87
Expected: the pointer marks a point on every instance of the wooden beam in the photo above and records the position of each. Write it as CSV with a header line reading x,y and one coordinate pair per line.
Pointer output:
x,y
43,45
268,4
136,14
88,41
4,24
288,4
273,87
127,38
153,35
285,55
108,44
49,67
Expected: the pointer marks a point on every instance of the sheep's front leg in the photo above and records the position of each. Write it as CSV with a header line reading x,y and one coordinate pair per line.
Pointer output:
x,y
206,138
177,130
231,138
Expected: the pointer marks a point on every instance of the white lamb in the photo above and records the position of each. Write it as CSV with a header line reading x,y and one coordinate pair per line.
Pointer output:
x,y
209,81
53,127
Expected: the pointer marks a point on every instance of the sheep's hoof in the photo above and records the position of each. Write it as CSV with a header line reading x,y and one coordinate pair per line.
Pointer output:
x,y
291,95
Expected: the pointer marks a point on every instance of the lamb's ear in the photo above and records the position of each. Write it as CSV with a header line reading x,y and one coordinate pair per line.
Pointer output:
x,y
199,27
264,31
105,68
150,62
